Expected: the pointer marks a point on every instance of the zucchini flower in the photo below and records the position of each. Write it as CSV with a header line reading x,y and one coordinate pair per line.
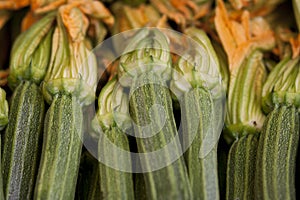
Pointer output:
x,y
30,55
197,76
113,107
244,114
72,69
199,66
223,63
147,51
95,16
145,66
242,42
113,145
282,85
3,109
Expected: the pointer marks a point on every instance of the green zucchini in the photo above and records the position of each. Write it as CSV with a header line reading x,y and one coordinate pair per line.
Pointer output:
x,y
115,184
276,154
170,182
241,168
112,112
22,141
197,117
61,149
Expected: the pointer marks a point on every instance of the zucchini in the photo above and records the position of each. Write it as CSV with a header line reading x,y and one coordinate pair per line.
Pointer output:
x,y
200,92
69,84
197,117
276,154
22,141
241,168
61,149
115,184
170,182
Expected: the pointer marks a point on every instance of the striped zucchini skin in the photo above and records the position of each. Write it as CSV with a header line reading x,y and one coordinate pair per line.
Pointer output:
x,y
22,141
276,155
114,183
197,114
241,168
88,182
61,150
170,182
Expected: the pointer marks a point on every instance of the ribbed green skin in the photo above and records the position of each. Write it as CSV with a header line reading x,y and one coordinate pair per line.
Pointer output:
x,y
114,183
22,142
170,182
197,115
88,182
61,150
276,155
241,168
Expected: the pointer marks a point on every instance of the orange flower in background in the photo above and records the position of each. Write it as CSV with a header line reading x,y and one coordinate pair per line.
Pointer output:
x,y
241,37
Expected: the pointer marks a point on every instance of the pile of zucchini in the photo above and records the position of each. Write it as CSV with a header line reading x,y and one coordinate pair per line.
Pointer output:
x,y
209,112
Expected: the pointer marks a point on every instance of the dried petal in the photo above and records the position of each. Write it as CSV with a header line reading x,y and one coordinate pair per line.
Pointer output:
x,y
75,22
97,10
13,4
29,19
43,6
239,39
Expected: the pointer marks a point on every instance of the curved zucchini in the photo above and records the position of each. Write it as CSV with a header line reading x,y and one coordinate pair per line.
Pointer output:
x,y
241,168
197,114
61,150
22,141
276,155
170,182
